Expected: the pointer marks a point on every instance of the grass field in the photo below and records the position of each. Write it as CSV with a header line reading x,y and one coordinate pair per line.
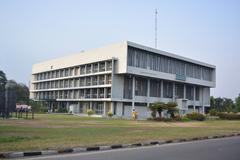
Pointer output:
x,y
61,131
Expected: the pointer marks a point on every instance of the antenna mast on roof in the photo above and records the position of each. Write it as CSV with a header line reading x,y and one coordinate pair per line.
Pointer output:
x,y
156,12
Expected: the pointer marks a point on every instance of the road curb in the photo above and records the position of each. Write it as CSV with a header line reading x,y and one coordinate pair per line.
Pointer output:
x,y
110,147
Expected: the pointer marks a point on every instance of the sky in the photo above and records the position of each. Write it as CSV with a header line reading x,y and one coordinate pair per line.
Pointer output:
x,y
208,31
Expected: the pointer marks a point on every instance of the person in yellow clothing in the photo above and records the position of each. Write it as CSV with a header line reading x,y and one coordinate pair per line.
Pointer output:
x,y
134,114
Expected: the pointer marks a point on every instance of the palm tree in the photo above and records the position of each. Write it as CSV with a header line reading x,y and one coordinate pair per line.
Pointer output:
x,y
171,109
157,107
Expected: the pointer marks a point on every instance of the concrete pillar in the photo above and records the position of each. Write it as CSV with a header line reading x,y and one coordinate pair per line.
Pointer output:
x,y
174,92
184,91
133,93
161,88
112,104
194,98
91,106
104,108
148,91
203,108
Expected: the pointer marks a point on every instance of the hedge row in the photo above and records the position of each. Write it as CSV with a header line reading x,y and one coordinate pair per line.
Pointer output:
x,y
229,116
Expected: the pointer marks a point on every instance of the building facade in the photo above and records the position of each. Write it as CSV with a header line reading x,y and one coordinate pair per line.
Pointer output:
x,y
123,77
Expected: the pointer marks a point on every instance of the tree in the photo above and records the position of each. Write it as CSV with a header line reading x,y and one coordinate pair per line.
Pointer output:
x,y
228,105
3,81
172,108
219,104
212,102
22,92
157,107
237,103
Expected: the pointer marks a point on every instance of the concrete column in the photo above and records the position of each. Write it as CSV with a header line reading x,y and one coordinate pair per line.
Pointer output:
x,y
91,105
203,108
194,98
184,91
148,91
98,66
105,66
105,79
78,107
161,88
98,93
133,93
174,92
112,104
104,108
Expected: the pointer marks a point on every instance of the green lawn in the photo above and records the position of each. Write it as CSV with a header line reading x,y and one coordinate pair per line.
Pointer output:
x,y
50,131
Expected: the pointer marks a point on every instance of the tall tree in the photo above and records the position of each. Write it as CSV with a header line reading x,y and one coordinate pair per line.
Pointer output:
x,y
212,102
228,104
22,93
3,81
237,103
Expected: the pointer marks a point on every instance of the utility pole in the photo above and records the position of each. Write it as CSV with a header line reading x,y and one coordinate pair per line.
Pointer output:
x,y
156,12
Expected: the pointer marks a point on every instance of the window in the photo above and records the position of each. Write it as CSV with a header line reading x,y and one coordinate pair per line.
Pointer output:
x,y
81,94
108,92
82,70
94,93
98,107
101,79
94,80
101,92
87,93
109,65
155,88
167,89
140,87
127,87
81,81
189,92
89,69
179,89
95,67
88,81
109,79
102,67
156,62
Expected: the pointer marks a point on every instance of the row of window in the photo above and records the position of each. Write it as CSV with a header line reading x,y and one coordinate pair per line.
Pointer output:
x,y
141,88
148,60
77,70
75,82
74,94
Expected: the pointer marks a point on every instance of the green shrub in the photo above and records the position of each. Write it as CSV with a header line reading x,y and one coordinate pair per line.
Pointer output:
x,y
196,116
90,112
110,114
229,116
177,118
185,119
213,112
62,110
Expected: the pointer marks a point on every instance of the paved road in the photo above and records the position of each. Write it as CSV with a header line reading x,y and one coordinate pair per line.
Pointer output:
x,y
215,149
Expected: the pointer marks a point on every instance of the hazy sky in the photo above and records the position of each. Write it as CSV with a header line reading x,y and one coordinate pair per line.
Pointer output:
x,y
36,30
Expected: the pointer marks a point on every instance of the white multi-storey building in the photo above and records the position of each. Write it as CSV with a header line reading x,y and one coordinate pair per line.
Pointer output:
x,y
123,77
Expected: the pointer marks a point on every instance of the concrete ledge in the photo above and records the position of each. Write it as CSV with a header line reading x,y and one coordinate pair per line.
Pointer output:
x,y
116,146
67,150
15,155
79,149
93,148
102,148
49,152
